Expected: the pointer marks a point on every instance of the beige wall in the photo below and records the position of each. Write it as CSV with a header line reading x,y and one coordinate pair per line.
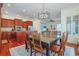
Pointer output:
x,y
72,11
36,25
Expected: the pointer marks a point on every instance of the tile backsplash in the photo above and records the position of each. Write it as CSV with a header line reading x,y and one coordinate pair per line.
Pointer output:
x,y
7,29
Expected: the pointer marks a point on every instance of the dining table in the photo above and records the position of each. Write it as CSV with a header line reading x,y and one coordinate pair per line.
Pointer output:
x,y
46,42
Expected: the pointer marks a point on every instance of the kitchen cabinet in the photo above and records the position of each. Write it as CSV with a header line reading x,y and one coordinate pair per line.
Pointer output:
x,y
28,23
20,36
8,35
18,22
23,35
7,23
24,25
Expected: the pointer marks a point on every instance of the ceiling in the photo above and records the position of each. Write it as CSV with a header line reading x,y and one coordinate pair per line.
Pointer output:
x,y
30,10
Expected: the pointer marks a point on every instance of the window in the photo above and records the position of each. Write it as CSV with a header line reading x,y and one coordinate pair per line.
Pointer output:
x,y
58,27
75,25
68,25
43,27
72,25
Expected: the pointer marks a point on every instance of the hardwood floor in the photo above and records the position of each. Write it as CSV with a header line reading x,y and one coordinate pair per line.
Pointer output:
x,y
71,44
74,46
5,47
12,43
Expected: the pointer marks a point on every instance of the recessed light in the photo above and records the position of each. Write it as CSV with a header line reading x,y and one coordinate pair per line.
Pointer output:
x,y
6,12
17,14
8,5
24,10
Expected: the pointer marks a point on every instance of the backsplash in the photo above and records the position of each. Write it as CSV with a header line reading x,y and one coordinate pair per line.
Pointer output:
x,y
7,29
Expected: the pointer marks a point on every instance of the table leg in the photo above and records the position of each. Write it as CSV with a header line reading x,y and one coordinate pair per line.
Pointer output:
x,y
26,45
31,51
47,51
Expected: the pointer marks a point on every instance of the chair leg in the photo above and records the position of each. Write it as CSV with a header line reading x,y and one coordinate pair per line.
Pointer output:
x,y
51,51
27,49
59,54
54,54
35,53
41,54
63,54
30,51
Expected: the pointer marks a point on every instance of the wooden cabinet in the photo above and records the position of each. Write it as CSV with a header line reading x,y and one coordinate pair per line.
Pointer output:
x,y
20,36
28,23
24,25
18,22
8,35
23,35
7,23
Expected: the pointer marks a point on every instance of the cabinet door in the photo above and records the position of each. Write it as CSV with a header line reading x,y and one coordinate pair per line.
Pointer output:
x,y
4,23
24,24
11,23
28,23
7,23
18,22
23,36
19,37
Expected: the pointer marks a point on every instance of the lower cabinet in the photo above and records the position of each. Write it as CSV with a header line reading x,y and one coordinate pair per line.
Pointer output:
x,y
20,36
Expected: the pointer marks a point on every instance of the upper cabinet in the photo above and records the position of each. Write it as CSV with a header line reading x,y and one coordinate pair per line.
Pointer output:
x,y
26,24
18,22
15,22
7,23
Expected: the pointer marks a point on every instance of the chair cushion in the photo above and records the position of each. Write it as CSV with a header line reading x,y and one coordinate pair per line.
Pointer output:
x,y
38,48
55,48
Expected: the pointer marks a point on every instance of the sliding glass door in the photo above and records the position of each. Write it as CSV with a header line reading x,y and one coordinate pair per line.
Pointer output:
x,y
72,25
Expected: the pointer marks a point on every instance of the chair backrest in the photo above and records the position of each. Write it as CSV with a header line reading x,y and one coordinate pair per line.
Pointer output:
x,y
53,34
36,38
64,37
64,40
77,47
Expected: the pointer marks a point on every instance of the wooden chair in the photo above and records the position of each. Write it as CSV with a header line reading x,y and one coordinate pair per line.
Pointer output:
x,y
37,44
59,49
28,43
77,49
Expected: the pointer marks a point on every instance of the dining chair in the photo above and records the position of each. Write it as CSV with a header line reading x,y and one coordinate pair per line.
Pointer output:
x,y
37,44
59,49
77,49
28,43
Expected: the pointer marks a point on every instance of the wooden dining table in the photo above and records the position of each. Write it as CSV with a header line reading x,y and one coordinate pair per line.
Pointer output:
x,y
46,41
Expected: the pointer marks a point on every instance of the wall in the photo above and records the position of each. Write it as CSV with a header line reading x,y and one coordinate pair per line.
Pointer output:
x,y
71,11
36,25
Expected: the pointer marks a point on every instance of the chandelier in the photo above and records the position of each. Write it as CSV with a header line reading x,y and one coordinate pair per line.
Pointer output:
x,y
44,14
